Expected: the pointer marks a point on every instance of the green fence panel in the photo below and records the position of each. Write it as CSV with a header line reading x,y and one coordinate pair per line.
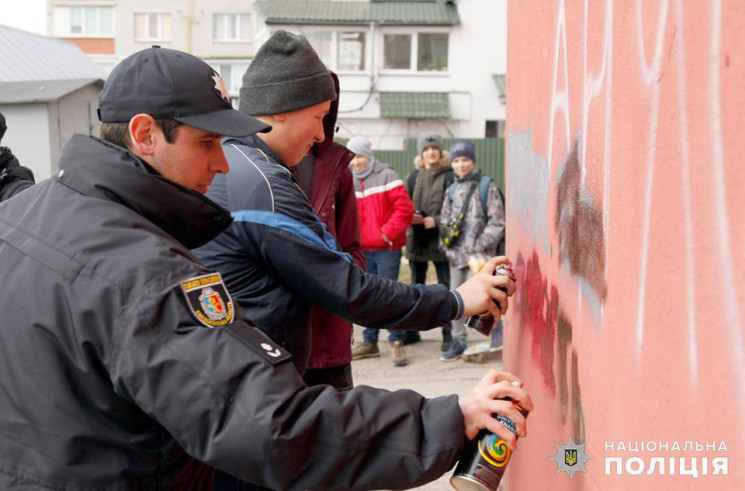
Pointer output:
x,y
489,157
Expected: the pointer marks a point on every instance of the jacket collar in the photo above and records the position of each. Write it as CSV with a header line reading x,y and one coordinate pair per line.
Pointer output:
x,y
102,170
254,141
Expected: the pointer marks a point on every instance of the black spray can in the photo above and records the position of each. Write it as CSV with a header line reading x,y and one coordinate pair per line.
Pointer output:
x,y
484,460
484,322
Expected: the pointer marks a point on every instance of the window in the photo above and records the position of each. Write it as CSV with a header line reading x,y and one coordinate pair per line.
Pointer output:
x,y
150,27
429,49
322,42
230,27
84,21
432,52
397,49
351,51
340,50
232,75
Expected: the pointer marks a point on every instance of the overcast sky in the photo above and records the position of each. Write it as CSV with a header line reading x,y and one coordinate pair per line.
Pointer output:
x,y
29,15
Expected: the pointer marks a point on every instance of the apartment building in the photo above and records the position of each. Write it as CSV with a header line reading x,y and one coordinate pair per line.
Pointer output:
x,y
405,66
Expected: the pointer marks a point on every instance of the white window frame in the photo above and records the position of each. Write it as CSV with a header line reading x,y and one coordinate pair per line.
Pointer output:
x,y
334,55
63,25
242,37
148,16
414,55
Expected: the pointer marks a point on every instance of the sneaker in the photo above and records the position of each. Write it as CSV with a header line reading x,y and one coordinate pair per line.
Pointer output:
x,y
412,337
447,341
456,350
398,354
365,350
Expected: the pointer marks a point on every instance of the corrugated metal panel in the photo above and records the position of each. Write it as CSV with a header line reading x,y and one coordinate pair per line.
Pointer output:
x,y
33,91
489,157
414,105
25,56
385,12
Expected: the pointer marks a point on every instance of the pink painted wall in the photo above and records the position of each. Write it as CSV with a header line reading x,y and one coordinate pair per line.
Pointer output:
x,y
626,221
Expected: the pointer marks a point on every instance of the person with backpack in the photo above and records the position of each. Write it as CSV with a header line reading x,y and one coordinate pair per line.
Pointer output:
x,y
471,229
427,185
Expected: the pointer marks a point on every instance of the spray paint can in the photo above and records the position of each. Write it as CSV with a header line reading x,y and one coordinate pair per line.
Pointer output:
x,y
484,459
484,322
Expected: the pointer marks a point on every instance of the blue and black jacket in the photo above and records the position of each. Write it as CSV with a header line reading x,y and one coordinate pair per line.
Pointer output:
x,y
277,259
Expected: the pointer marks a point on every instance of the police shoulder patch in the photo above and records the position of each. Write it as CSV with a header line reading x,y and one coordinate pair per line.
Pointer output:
x,y
208,299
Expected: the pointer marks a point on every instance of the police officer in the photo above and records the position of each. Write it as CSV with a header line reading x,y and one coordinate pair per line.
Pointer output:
x,y
124,363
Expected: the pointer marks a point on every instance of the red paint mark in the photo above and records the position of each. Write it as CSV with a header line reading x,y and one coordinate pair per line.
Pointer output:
x,y
538,308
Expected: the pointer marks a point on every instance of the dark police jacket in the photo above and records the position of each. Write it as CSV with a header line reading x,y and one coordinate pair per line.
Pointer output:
x,y
278,259
125,365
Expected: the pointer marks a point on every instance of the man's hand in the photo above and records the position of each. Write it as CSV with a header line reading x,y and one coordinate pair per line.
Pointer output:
x,y
429,222
486,399
417,219
479,292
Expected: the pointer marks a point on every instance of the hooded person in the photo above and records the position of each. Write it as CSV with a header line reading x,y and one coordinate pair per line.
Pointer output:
x,y
14,177
385,212
278,259
326,179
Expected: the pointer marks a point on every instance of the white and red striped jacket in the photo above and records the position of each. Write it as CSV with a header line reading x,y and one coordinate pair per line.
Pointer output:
x,y
384,207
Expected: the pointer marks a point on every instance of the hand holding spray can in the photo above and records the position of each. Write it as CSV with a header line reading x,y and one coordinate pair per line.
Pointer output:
x,y
484,459
484,322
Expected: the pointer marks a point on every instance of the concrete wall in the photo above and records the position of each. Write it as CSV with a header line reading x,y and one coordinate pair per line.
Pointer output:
x,y
627,226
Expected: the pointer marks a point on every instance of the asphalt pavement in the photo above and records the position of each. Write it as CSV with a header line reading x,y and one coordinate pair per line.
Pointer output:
x,y
425,373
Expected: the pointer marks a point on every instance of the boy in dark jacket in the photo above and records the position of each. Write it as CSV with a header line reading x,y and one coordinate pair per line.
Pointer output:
x,y
14,178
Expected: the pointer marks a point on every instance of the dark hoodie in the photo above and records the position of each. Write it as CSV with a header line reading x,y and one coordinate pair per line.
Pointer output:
x,y
14,178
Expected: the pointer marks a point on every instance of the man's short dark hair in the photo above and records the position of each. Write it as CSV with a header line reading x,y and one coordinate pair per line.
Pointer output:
x,y
118,133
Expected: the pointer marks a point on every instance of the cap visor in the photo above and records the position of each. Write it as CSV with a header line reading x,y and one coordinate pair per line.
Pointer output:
x,y
226,122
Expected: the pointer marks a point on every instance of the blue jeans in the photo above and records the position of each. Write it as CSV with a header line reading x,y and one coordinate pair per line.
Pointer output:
x,y
386,264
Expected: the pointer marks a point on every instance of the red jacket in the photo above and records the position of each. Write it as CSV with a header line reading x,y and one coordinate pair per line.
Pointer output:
x,y
384,208
332,197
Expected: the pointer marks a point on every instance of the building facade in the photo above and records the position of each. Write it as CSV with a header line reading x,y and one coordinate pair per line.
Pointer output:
x,y
405,66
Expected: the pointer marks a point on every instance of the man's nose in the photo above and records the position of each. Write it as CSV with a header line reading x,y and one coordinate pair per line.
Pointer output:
x,y
220,163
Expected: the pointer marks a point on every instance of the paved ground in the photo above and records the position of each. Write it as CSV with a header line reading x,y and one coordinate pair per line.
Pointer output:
x,y
425,373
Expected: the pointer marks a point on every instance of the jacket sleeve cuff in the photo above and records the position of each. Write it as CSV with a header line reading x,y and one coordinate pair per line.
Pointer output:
x,y
458,305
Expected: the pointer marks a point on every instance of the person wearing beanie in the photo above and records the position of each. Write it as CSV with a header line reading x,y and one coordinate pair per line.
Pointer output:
x,y
471,226
325,178
14,177
278,259
426,185
385,212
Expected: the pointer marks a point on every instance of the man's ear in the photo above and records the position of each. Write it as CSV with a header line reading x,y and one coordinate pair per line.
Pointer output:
x,y
142,129
280,118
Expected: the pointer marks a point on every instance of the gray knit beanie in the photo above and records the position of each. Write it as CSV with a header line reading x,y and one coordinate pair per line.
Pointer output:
x,y
285,75
361,145
428,140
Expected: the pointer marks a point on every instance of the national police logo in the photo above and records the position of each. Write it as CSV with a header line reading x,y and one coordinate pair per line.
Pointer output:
x,y
570,458
208,300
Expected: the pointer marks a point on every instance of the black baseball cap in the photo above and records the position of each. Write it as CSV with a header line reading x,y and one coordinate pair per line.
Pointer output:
x,y
167,83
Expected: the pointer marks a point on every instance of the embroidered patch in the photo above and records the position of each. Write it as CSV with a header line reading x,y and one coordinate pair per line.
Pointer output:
x,y
208,300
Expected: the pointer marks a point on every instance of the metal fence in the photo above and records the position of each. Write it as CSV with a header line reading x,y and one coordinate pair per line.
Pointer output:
x,y
489,157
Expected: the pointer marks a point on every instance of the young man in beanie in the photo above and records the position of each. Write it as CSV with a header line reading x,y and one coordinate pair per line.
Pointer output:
x,y
14,178
426,186
277,258
127,365
472,221
385,212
